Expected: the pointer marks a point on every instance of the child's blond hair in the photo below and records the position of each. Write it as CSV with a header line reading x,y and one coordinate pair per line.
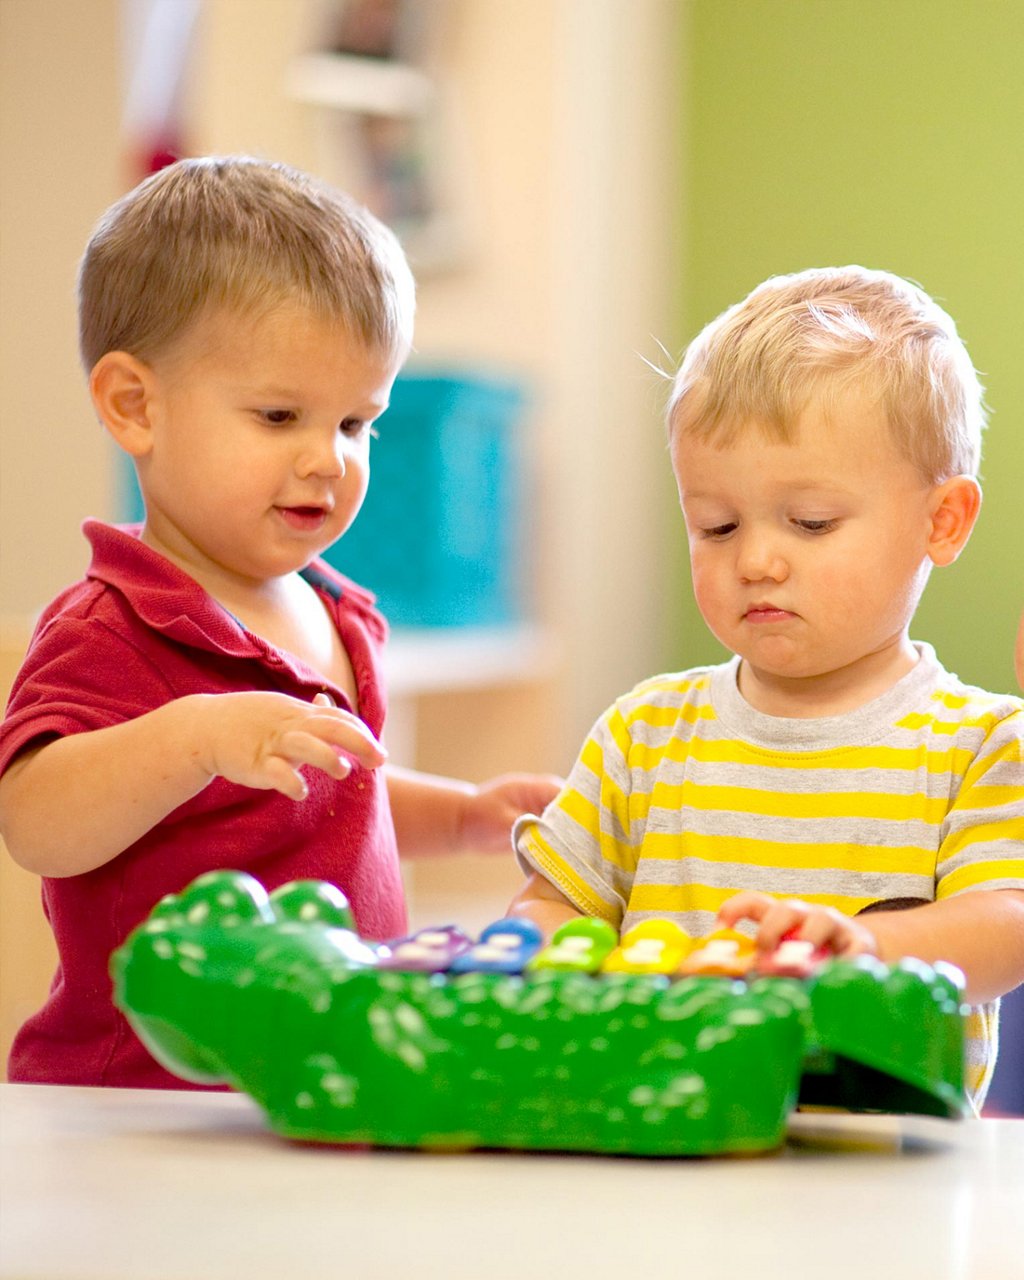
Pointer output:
x,y
818,334
246,235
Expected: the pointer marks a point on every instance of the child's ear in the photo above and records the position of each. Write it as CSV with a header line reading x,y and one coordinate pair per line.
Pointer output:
x,y
121,388
955,507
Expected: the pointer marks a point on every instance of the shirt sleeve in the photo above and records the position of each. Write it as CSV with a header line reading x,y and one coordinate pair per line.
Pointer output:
x,y
982,844
79,675
582,842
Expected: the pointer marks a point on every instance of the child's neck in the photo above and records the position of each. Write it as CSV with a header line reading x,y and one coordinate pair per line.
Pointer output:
x,y
289,614
285,611
831,693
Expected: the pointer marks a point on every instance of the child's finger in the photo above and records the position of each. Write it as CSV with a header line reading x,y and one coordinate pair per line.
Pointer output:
x,y
823,929
747,905
779,919
348,732
298,747
284,777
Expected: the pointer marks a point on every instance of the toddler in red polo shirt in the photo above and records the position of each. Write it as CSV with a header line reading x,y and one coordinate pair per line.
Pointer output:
x,y
210,694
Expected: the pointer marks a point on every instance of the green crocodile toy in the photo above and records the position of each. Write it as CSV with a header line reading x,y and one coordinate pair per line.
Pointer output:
x,y
278,997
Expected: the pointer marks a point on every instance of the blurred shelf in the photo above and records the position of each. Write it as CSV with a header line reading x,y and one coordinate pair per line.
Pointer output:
x,y
366,86
447,659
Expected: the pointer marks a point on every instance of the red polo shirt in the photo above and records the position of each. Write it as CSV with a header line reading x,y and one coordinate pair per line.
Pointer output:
x,y
134,634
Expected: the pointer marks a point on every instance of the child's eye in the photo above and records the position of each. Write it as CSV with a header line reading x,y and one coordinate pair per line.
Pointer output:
x,y
277,417
719,530
816,526
355,427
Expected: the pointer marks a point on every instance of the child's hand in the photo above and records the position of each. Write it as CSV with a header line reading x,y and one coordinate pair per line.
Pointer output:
x,y
775,917
261,739
491,808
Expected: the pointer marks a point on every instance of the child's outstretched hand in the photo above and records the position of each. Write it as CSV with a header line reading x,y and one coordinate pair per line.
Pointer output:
x,y
491,808
775,917
261,740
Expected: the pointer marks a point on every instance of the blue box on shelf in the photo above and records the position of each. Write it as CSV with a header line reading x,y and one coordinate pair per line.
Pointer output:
x,y
437,539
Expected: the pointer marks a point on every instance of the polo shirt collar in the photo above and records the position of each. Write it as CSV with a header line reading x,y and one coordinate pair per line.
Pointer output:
x,y
162,595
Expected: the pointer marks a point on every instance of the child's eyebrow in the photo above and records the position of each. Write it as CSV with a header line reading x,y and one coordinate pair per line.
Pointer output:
x,y
279,393
272,391
817,486
826,488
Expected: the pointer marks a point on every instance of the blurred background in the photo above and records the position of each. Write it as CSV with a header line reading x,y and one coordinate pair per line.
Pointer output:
x,y
580,185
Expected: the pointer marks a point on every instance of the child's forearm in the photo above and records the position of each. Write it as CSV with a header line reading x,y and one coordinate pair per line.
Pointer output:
x,y
436,815
427,811
542,903
981,932
76,802
79,801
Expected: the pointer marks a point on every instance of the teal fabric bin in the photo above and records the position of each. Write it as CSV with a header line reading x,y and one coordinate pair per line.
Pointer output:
x,y
437,539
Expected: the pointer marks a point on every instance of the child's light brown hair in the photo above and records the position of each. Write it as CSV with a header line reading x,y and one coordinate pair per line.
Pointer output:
x,y
817,334
246,235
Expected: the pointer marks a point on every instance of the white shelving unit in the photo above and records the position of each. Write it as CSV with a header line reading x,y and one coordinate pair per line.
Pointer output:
x,y
440,659
385,133
365,86
473,889
420,661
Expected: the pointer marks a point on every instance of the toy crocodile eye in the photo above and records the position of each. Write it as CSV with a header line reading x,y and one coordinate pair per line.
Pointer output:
x,y
312,902
225,897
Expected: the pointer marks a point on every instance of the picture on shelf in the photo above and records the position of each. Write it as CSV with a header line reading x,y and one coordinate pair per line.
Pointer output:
x,y
396,177
387,124
388,29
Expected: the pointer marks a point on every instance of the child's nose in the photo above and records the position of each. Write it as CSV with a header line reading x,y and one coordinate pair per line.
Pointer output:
x,y
759,560
323,456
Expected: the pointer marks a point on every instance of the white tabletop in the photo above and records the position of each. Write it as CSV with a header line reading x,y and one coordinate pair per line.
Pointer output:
x,y
112,1184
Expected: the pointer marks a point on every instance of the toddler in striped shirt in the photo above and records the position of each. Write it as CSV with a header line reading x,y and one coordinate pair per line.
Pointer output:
x,y
825,438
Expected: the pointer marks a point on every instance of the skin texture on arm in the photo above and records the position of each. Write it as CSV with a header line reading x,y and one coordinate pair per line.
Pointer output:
x,y
435,816
981,932
77,802
542,903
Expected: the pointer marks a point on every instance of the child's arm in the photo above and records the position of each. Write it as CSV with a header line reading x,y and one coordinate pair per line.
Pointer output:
x,y
77,801
981,932
541,902
435,815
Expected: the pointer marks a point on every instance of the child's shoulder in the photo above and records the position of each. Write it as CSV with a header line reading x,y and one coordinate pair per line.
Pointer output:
x,y
671,690
77,604
347,596
953,701
119,576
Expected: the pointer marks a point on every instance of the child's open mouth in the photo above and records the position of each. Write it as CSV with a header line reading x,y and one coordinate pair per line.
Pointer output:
x,y
305,519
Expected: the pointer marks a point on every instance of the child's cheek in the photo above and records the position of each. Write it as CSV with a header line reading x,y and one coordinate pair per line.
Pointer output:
x,y
707,587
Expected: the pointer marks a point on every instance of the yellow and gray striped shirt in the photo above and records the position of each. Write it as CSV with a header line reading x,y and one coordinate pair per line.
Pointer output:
x,y
684,794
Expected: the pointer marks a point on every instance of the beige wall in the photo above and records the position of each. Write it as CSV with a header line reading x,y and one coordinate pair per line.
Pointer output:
x,y
59,166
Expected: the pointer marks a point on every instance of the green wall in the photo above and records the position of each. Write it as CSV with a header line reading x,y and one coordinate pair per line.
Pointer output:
x,y
886,132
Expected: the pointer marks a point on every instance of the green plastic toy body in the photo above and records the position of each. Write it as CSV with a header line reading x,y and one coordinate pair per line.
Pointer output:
x,y
278,997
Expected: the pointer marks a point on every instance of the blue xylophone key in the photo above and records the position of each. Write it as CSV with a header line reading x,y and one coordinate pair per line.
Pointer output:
x,y
504,947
